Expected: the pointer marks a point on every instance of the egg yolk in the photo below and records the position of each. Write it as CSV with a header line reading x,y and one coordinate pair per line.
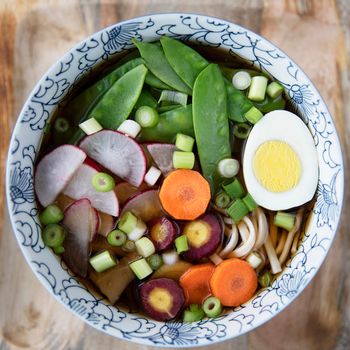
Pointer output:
x,y
276,166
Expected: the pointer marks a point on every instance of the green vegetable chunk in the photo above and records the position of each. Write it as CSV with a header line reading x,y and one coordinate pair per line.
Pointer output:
x,y
157,63
146,99
211,123
118,102
185,61
177,120
52,214
153,81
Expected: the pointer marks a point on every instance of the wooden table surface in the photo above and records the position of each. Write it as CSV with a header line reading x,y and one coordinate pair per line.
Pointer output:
x,y
35,33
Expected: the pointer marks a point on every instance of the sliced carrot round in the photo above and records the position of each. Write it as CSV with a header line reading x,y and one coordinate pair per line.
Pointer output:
x,y
234,282
185,194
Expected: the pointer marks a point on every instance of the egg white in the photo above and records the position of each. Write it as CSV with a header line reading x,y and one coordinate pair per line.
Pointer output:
x,y
284,126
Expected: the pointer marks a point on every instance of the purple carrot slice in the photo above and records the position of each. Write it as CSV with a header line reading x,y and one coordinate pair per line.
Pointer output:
x,y
162,232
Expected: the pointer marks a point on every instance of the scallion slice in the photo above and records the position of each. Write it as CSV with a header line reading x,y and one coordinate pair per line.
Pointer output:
x,y
253,115
52,214
147,117
212,307
90,126
284,220
102,261
234,189
228,167
130,128
116,238
127,222
257,88
140,268
152,176
249,202
138,231
53,235
241,130
254,260
155,261
58,250
237,210
129,246
145,247
174,97
183,160
274,89
184,142
193,314
222,200
170,257
265,279
61,125
181,244
241,80
103,182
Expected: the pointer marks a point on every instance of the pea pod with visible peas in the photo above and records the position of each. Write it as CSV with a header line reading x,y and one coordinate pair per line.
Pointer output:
x,y
211,124
157,63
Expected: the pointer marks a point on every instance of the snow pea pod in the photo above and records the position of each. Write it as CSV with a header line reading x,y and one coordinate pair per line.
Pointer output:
x,y
185,61
118,102
177,120
270,104
157,63
153,81
211,126
146,99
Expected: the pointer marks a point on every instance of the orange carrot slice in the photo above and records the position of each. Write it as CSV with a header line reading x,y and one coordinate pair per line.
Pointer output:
x,y
195,283
234,282
185,194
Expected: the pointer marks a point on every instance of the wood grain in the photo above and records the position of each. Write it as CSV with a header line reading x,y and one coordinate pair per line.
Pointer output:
x,y
316,34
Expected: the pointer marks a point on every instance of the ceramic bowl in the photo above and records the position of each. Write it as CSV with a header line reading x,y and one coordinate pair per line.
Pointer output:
x,y
79,62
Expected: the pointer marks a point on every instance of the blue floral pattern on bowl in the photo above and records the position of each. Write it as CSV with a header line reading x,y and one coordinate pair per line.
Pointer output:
x,y
79,62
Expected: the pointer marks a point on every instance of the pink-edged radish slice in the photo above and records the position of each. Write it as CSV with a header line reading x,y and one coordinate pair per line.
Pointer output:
x,y
55,170
106,224
125,191
81,221
146,205
80,186
118,153
162,154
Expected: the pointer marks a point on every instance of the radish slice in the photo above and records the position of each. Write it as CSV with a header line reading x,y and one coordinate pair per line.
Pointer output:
x,y
55,170
106,224
162,154
81,221
146,205
80,186
118,153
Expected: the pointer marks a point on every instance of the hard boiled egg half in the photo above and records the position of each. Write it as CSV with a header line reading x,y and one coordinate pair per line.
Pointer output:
x,y
280,164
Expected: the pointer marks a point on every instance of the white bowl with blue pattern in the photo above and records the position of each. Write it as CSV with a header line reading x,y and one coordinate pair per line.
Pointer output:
x,y
77,63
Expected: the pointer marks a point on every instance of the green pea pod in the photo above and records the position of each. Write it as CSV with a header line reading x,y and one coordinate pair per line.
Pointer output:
x,y
185,61
153,81
166,108
146,99
270,104
157,63
177,120
118,102
237,103
210,122
230,72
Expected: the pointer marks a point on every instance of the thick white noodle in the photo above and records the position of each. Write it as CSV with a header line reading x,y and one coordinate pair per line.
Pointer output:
x,y
231,242
271,254
246,247
263,228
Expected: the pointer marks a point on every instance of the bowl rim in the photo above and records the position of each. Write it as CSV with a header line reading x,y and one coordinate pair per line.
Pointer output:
x,y
157,16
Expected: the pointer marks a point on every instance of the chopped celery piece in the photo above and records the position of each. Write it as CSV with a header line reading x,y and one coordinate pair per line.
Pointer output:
x,y
181,244
253,115
103,182
228,167
193,314
257,88
234,189
155,261
265,279
90,126
140,268
274,89
52,214
284,220
183,160
175,97
241,130
222,200
250,202
116,238
212,307
102,261
184,142
237,210
147,117
53,235
145,247
127,222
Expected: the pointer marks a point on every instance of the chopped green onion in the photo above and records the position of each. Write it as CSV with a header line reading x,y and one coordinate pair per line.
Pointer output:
x,y
194,314
228,167
145,247
254,260
222,200
147,117
257,88
58,250
212,307
253,115
129,246
152,176
52,214
237,210
265,279
241,80
183,160
138,231
90,126
103,182
61,125
116,238
127,222
130,128
241,130
170,257
184,142
274,89
174,97
53,235
102,261
250,202
181,244
284,220
155,261
234,189
140,268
